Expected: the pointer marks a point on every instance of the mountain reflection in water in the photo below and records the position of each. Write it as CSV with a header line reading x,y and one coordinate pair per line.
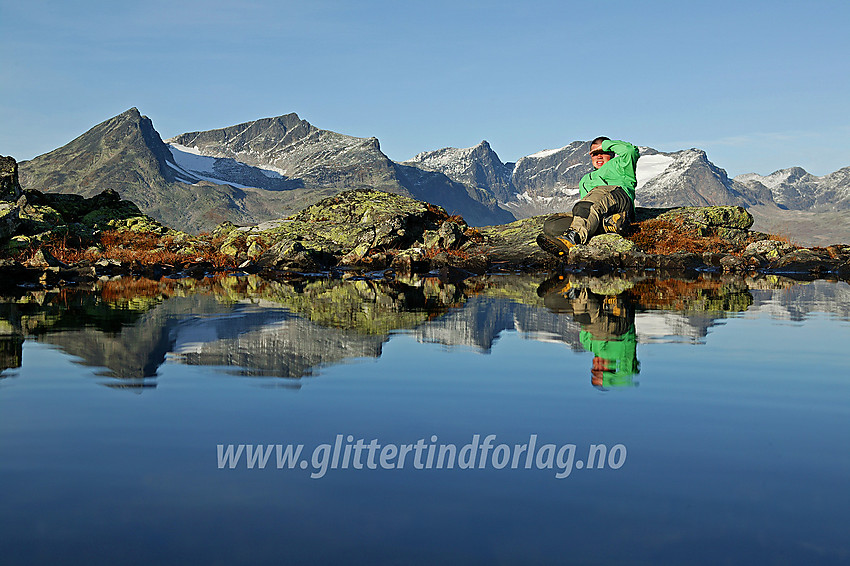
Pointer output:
x,y
251,326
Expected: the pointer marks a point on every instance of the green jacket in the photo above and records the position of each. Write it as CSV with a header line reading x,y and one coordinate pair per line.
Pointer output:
x,y
620,353
619,171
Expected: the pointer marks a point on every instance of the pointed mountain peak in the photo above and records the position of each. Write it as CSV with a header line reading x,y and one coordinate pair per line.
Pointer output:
x,y
131,113
111,154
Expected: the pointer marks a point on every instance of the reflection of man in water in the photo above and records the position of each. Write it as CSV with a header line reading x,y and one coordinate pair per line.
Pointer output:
x,y
607,329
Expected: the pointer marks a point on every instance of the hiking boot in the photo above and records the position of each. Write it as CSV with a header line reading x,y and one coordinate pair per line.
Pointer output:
x,y
615,223
557,246
553,284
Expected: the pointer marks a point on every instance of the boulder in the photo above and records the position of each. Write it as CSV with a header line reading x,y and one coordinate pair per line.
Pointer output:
x,y
769,249
448,236
680,261
514,245
10,187
44,259
347,228
804,261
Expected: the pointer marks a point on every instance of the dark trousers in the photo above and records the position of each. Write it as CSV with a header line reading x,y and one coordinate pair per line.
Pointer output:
x,y
602,202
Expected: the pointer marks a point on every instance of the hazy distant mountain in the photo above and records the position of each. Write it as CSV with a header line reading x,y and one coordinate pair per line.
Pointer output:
x,y
796,189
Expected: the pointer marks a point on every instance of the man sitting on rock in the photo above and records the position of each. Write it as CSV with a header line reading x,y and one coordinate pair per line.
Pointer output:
x,y
607,198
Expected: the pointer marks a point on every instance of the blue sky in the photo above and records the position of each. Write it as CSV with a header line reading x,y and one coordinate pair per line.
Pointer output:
x,y
759,85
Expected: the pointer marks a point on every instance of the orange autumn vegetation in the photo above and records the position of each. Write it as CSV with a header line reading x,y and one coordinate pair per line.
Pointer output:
x,y
663,237
128,288
127,247
431,253
673,294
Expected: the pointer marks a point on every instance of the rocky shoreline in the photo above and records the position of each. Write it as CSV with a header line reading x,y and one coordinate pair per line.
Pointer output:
x,y
57,239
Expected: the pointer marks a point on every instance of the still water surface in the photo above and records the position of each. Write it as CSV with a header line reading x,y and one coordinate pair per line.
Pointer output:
x,y
728,402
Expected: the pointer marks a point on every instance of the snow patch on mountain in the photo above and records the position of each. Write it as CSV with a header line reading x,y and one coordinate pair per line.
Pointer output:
x,y
190,159
651,166
195,177
189,163
545,153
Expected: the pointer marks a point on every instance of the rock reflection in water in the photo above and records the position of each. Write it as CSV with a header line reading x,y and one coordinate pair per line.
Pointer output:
x,y
251,326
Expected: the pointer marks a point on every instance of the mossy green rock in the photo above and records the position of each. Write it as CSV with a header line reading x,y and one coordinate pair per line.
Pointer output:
x,y
141,224
516,242
770,249
610,244
39,218
102,216
710,216
17,244
9,220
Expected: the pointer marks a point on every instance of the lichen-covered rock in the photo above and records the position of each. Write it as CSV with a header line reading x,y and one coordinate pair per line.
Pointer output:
x,y
350,228
144,224
38,218
711,216
9,220
374,217
610,243
17,244
102,216
731,263
734,235
770,249
448,236
43,258
515,244
412,260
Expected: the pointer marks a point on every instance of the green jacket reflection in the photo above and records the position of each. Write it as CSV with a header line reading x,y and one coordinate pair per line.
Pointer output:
x,y
619,352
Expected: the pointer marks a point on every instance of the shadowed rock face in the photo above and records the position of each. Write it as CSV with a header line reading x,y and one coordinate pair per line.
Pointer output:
x,y
10,187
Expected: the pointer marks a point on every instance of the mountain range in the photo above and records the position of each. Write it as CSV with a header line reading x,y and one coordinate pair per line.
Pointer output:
x,y
272,167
